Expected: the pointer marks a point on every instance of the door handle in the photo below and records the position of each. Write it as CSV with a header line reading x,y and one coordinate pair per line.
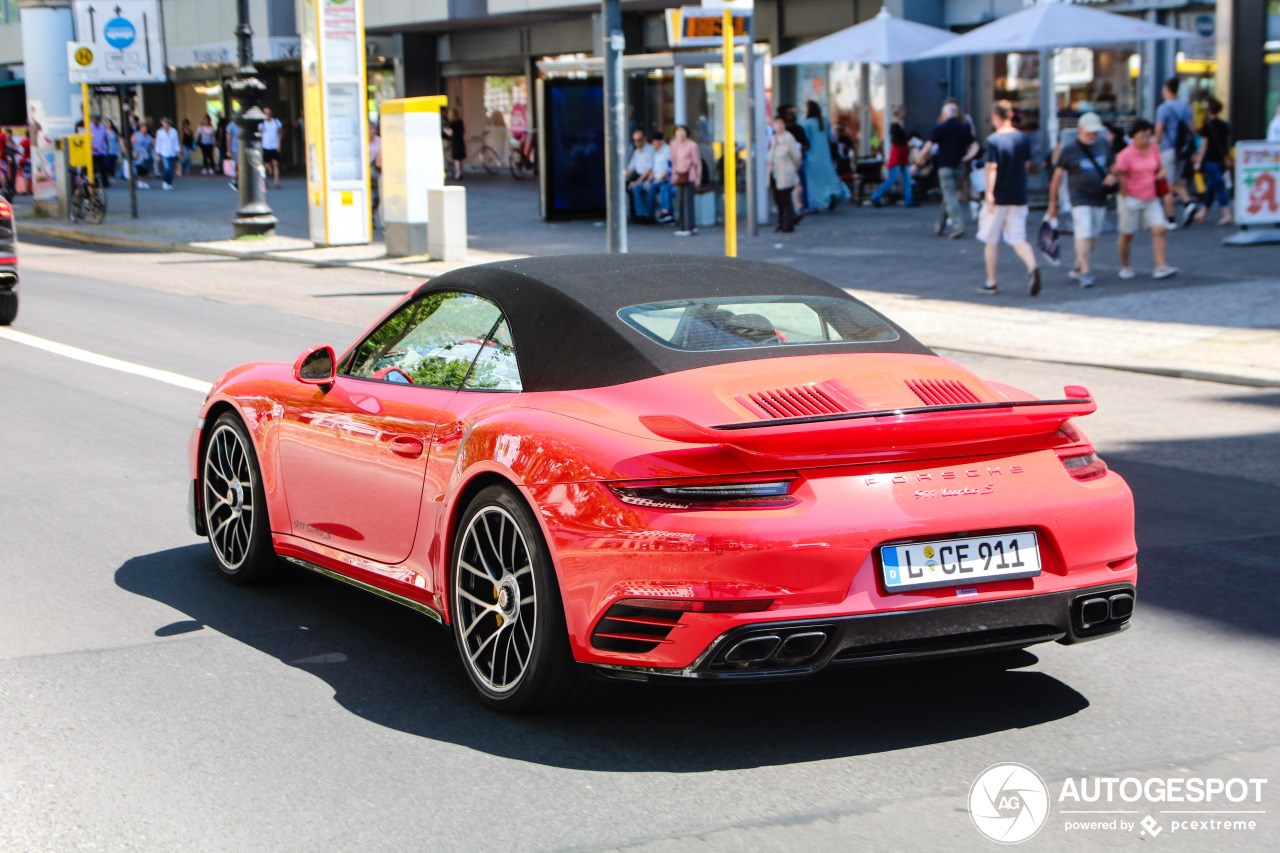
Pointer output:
x,y
406,446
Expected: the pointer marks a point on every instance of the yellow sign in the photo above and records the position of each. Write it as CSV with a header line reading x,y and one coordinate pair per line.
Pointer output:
x,y
348,198
80,151
84,56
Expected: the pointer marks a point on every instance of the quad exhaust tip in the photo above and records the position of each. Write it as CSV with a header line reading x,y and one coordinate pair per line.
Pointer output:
x,y
781,649
1098,611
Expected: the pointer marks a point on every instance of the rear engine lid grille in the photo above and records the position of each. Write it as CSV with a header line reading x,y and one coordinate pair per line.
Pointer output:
x,y
797,401
634,630
942,392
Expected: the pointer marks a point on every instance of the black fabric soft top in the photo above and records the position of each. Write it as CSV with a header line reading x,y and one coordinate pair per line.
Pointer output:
x,y
563,312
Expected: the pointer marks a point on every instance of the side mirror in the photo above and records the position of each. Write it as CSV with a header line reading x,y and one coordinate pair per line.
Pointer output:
x,y
316,366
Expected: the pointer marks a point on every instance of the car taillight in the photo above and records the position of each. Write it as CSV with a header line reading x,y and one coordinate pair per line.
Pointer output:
x,y
773,493
6,210
1083,466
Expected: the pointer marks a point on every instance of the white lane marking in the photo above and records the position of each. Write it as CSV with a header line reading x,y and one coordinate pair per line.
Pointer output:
x,y
106,361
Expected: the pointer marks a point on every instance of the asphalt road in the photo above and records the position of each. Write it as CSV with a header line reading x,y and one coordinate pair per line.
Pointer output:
x,y
145,704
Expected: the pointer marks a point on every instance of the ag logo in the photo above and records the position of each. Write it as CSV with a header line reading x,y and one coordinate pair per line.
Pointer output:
x,y
84,56
1008,803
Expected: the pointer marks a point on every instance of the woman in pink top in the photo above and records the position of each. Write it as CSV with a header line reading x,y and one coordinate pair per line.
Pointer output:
x,y
686,174
1139,169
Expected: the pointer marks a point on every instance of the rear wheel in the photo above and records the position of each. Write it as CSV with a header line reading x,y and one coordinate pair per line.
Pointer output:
x,y
234,505
490,160
508,618
8,308
97,205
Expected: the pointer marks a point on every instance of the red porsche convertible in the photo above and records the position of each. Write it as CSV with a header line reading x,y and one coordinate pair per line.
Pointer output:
x,y
652,467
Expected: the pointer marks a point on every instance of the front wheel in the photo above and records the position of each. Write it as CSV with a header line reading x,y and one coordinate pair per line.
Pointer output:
x,y
79,205
508,618
490,160
518,166
235,506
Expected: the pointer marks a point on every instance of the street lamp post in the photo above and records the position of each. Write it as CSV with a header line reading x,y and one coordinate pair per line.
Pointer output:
x,y
254,215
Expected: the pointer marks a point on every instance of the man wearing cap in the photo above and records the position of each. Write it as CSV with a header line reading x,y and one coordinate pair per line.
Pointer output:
x,y
1086,162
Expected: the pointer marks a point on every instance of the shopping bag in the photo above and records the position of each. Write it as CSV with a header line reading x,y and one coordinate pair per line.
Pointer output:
x,y
1047,241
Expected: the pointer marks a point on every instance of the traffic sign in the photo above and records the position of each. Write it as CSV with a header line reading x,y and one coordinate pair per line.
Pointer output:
x,y
126,38
82,63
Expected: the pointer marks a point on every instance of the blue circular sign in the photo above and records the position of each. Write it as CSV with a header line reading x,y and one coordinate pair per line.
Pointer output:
x,y
119,33
1204,25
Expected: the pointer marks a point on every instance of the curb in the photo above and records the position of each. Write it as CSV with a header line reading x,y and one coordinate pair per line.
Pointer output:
x,y
122,242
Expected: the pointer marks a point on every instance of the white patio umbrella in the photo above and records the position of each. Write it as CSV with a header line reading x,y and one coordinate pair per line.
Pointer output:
x,y
883,40
1052,24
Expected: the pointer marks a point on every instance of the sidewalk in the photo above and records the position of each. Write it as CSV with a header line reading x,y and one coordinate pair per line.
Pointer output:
x,y
1218,319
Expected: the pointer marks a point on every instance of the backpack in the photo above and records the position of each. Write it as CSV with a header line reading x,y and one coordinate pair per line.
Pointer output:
x,y
1184,143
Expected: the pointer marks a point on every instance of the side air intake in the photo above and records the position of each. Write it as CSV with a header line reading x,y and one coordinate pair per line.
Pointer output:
x,y
632,629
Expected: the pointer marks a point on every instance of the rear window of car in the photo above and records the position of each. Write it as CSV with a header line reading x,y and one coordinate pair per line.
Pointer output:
x,y
695,325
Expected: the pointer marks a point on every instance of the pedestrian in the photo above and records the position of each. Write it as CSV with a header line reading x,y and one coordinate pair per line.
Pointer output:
x,y
1175,138
657,187
98,143
233,153
143,147
113,149
785,162
1004,209
375,175
222,142
897,163
638,169
271,145
168,148
686,176
1213,159
797,131
952,146
1086,162
822,182
1139,167
188,145
456,132
207,138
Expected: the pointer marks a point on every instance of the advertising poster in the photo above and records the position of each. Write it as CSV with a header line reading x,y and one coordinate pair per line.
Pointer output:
x,y
1257,178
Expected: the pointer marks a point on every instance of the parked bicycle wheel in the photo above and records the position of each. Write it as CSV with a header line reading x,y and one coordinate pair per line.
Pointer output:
x,y
519,166
490,160
97,205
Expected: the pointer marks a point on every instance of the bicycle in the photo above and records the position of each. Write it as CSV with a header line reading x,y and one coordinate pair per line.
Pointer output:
x,y
483,153
521,155
88,200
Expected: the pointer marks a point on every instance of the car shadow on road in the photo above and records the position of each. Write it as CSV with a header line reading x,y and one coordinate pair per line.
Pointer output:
x,y
398,669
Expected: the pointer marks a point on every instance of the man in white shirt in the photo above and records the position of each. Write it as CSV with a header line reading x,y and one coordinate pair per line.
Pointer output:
x,y
168,147
658,184
271,145
638,168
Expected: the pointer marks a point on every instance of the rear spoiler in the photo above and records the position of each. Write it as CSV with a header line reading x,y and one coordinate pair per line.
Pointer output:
x,y
885,429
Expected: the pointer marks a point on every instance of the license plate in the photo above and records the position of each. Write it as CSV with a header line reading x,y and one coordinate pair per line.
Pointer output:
x,y
959,562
